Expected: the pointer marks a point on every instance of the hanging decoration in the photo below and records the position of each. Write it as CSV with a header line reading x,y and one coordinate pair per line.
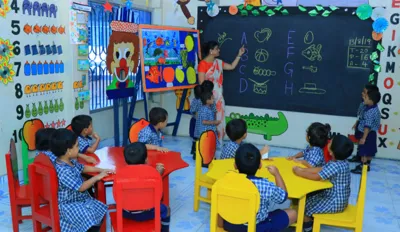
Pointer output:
x,y
107,7
364,11
128,4
212,8
233,10
380,25
378,12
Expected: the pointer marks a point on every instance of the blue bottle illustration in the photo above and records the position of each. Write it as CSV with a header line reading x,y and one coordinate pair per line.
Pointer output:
x,y
34,68
40,68
27,69
51,67
61,67
57,67
46,68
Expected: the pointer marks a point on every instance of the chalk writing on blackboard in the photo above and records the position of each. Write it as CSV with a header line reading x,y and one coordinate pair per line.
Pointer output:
x,y
260,88
222,38
263,35
261,55
309,37
311,88
358,52
263,72
311,68
313,52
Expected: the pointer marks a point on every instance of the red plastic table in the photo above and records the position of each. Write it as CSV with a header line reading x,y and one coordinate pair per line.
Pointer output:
x,y
113,158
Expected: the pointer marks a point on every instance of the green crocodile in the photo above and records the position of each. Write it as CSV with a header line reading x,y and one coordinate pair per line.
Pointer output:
x,y
263,125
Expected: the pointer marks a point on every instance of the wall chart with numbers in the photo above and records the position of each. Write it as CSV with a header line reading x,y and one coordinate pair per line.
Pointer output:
x,y
35,67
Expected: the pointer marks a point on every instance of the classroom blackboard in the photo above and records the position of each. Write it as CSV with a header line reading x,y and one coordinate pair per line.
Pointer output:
x,y
293,62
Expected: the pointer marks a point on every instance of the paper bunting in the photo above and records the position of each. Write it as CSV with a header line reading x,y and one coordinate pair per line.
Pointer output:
x,y
212,9
278,8
255,12
313,13
233,10
107,7
270,12
302,8
364,11
333,8
375,62
376,36
374,56
377,68
326,13
285,12
371,77
380,25
128,4
244,13
249,7
319,7
240,7
378,12
380,47
263,8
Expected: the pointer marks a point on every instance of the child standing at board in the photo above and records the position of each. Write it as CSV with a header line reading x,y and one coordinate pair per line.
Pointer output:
x,y
151,135
317,137
42,140
360,112
366,130
337,171
194,109
206,116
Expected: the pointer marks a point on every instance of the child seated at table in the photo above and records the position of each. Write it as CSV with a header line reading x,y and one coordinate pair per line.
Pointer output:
x,y
82,126
337,171
248,161
151,134
236,130
206,116
195,105
136,153
317,138
78,210
42,141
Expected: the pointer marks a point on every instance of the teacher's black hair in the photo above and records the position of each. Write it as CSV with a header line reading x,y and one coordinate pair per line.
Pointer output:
x,y
248,159
341,147
208,46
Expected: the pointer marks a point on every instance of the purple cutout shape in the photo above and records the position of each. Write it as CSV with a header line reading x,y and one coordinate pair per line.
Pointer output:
x,y
27,6
53,10
36,8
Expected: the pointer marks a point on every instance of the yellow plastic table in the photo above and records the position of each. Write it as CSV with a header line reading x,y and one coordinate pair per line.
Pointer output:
x,y
297,187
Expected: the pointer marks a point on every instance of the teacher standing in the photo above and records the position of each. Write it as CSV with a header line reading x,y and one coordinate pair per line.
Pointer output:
x,y
211,68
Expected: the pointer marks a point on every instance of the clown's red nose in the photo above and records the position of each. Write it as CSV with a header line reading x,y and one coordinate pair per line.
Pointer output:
x,y
122,63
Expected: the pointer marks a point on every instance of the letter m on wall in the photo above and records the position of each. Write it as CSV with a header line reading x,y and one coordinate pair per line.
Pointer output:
x,y
395,3
390,67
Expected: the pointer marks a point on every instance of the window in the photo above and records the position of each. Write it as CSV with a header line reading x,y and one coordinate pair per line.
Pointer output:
x,y
99,32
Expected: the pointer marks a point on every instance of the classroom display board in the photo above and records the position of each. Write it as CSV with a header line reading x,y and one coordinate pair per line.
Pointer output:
x,y
169,57
294,61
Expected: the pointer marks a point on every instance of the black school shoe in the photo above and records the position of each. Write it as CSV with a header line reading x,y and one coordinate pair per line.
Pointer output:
x,y
308,226
355,159
358,169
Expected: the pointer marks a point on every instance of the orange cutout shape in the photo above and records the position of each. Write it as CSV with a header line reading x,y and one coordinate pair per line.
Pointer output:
x,y
207,146
233,10
29,131
168,74
376,36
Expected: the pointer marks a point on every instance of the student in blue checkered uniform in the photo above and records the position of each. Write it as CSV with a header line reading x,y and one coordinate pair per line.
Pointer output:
x,y
337,171
79,212
82,126
194,109
208,86
360,113
42,141
248,161
236,130
136,153
317,138
367,128
206,116
151,135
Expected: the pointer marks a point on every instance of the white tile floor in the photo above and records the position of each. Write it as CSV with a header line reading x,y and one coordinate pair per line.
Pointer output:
x,y
382,209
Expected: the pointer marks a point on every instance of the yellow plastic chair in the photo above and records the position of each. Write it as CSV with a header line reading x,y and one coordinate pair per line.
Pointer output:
x,y
236,199
205,153
352,217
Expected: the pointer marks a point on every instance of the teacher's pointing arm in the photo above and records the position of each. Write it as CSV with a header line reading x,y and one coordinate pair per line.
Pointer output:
x,y
235,62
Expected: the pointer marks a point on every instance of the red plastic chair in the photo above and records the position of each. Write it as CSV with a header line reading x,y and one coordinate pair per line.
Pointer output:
x,y
327,156
19,194
44,187
143,184
136,128
69,127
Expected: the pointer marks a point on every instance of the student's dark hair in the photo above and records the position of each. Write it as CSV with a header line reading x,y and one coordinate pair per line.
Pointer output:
x,y
43,138
198,90
370,87
375,96
248,159
80,122
341,147
208,46
205,96
235,129
318,134
157,115
208,86
62,140
135,153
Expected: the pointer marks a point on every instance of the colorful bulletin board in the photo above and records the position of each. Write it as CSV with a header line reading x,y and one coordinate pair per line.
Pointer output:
x,y
170,57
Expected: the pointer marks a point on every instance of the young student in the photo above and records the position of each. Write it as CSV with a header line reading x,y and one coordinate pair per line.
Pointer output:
x,y
208,86
78,210
236,130
194,109
42,140
360,112
151,135
206,116
82,126
136,153
367,128
248,161
335,199
317,138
